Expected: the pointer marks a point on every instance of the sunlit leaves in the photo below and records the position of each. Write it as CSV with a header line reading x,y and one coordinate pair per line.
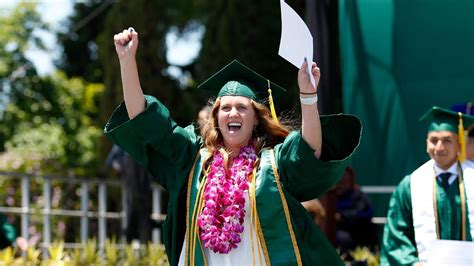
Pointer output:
x,y
45,141
46,121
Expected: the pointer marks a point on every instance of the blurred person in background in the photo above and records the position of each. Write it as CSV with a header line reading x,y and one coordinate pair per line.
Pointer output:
x,y
316,210
203,117
354,226
137,183
466,108
8,236
470,144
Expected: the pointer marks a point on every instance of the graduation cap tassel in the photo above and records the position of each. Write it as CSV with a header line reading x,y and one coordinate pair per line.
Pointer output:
x,y
272,107
462,141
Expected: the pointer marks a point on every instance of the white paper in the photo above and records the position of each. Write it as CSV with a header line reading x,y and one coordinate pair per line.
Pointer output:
x,y
296,42
450,252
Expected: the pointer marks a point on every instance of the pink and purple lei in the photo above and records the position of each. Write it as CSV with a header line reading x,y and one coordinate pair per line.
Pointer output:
x,y
222,217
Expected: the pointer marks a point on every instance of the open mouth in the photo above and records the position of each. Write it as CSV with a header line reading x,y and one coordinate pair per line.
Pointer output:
x,y
234,127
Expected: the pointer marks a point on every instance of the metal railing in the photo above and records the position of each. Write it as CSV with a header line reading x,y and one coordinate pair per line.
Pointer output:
x,y
378,190
85,214
102,215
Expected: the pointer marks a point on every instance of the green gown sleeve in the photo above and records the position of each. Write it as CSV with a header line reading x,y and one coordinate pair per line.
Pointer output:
x,y
307,177
398,244
8,233
155,141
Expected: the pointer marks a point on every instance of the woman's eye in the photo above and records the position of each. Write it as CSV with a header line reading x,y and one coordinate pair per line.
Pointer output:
x,y
225,108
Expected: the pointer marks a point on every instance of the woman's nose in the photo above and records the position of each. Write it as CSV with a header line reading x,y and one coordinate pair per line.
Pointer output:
x,y
233,112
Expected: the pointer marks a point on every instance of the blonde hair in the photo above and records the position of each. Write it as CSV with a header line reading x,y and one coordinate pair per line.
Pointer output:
x,y
266,134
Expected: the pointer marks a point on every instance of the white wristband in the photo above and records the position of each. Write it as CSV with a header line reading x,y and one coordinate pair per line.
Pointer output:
x,y
309,100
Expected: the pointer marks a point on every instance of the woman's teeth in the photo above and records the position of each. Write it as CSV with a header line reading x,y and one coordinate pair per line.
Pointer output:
x,y
234,126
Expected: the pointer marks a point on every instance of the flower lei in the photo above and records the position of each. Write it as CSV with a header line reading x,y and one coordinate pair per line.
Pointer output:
x,y
222,217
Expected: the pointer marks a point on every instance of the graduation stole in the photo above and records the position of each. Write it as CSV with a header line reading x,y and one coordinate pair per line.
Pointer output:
x,y
194,253
424,209
463,204
269,223
221,220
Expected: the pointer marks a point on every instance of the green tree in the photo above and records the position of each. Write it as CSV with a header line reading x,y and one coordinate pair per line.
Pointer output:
x,y
152,20
78,40
48,121
18,76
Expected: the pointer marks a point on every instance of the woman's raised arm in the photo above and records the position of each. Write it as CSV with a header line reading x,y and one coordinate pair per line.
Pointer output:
x,y
310,124
126,44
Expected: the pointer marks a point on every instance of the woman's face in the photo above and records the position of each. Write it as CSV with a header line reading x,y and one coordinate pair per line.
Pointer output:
x,y
236,119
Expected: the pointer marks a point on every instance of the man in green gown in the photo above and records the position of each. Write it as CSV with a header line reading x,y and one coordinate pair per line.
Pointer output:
x,y
436,201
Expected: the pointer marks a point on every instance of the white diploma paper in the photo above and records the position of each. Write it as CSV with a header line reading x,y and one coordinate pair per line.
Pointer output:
x,y
450,252
296,42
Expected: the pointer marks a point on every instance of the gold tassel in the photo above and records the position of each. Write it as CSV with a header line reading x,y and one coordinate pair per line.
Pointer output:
x,y
462,141
272,107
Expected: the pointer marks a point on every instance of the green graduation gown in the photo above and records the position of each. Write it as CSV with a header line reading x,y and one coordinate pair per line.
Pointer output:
x,y
290,237
8,233
399,245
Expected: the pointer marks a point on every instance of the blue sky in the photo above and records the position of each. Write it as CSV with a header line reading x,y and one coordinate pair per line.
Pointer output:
x,y
181,50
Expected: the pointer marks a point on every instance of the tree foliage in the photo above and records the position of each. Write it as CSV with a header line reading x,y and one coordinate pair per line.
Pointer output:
x,y
78,40
152,20
64,131
17,73
47,121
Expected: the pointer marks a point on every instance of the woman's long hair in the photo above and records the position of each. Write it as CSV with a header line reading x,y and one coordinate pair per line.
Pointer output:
x,y
266,134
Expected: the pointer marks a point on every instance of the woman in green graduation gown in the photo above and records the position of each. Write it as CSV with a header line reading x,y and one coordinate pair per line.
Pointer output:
x,y
235,191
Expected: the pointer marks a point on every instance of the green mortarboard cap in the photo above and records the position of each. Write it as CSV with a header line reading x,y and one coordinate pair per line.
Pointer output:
x,y
441,119
237,79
